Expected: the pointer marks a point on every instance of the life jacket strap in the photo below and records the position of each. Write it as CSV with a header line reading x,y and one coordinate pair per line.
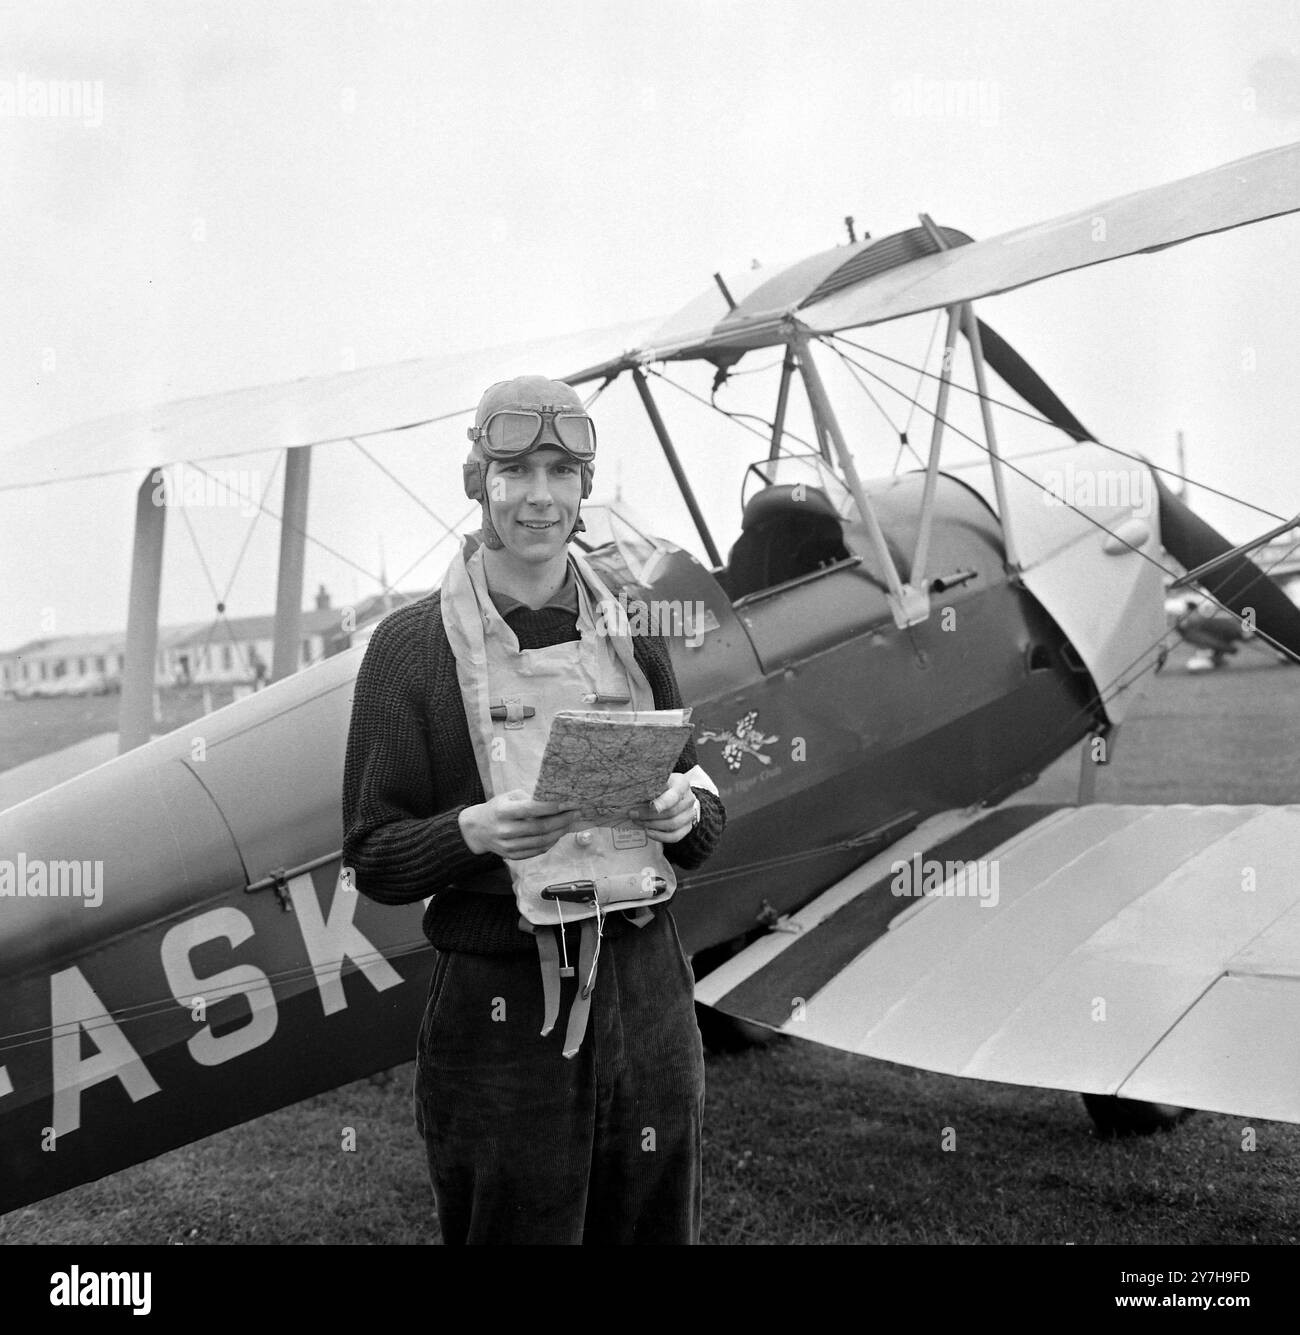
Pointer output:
x,y
548,956
581,1007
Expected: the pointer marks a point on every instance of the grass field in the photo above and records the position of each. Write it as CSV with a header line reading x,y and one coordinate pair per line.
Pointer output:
x,y
31,728
804,1144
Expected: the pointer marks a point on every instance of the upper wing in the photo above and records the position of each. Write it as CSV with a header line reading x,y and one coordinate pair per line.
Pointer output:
x,y
1148,952
874,281
1248,190
764,300
845,286
311,411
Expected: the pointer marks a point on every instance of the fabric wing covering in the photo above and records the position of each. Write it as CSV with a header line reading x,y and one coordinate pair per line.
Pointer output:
x,y
1149,952
1248,190
315,410
870,282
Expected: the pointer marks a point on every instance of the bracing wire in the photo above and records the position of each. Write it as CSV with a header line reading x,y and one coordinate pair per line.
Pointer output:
x,y
279,980
429,551
731,416
222,619
294,528
288,977
252,524
1044,421
388,473
1157,652
903,442
921,371
1008,463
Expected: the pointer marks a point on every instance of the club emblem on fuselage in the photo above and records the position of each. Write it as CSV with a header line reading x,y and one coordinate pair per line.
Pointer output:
x,y
745,739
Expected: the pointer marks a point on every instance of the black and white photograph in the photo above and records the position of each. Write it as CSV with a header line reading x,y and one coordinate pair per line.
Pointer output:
x,y
659,622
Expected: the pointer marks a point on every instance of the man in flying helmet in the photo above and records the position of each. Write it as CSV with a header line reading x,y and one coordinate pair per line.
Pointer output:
x,y
559,1073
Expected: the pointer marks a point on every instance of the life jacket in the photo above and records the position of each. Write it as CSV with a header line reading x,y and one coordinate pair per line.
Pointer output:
x,y
510,696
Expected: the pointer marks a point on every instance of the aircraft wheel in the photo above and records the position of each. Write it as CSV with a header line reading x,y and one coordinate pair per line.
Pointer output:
x,y
1115,1117
725,1033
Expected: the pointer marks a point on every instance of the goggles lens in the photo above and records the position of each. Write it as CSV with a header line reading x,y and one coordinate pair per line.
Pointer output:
x,y
515,431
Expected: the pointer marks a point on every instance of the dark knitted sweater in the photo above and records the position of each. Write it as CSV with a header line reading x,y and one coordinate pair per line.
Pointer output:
x,y
410,771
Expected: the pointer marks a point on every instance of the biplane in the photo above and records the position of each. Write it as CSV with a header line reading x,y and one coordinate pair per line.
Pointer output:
x,y
876,665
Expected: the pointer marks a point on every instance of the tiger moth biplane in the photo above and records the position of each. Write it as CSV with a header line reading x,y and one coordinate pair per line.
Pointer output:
x,y
876,665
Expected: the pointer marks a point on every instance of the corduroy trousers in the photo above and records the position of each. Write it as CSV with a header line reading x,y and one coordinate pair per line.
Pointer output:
x,y
527,1146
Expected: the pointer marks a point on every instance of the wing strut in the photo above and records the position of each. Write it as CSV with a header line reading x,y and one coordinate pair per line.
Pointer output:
x,y
990,437
135,709
922,551
782,398
293,549
970,326
135,717
908,604
683,482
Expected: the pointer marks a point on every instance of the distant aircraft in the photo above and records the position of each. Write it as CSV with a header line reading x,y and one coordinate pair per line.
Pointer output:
x,y
1218,635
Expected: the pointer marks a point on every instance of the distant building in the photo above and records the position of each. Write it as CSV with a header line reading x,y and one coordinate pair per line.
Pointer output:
x,y
62,664
229,650
367,614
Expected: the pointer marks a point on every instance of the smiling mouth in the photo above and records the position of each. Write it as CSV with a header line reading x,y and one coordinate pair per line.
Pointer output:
x,y
540,525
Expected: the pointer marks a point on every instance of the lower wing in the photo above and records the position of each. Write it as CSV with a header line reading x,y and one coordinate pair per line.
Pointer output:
x,y
1141,951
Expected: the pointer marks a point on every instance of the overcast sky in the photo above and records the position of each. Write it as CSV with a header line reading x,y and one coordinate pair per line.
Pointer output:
x,y
269,191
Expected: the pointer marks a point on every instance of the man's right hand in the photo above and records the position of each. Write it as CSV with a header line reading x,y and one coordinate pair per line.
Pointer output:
x,y
513,826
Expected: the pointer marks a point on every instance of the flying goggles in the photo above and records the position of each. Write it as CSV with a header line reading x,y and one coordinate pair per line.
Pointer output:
x,y
510,432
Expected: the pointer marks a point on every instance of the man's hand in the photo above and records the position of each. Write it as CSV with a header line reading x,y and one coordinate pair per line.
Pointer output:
x,y
671,815
514,826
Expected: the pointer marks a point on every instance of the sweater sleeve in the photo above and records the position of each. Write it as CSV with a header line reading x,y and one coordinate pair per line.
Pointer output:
x,y
400,847
689,853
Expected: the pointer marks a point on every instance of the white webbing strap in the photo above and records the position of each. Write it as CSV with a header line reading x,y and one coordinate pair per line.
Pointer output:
x,y
581,1006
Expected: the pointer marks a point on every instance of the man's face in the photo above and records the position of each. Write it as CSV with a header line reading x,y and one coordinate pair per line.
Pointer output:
x,y
534,502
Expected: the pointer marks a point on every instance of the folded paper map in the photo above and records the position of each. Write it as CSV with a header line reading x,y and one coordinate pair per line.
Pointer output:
x,y
604,761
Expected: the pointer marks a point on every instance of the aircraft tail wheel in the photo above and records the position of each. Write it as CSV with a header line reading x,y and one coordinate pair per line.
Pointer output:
x,y
1114,1117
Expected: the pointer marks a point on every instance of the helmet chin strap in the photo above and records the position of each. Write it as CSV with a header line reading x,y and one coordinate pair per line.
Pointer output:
x,y
491,538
